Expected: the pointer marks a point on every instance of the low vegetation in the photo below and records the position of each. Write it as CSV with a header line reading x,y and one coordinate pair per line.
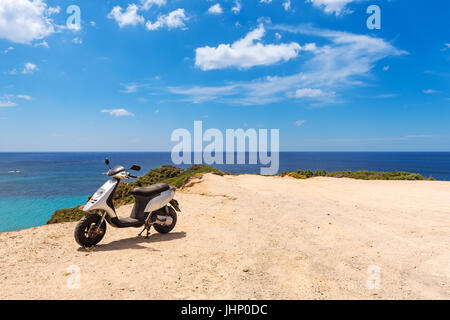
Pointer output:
x,y
362,175
294,175
67,215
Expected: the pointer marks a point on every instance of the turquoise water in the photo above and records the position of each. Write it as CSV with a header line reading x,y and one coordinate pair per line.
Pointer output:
x,y
21,213
34,185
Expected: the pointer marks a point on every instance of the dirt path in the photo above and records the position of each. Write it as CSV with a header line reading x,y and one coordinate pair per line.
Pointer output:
x,y
253,237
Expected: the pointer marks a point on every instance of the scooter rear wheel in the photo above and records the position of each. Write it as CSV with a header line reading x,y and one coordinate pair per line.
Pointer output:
x,y
167,229
84,235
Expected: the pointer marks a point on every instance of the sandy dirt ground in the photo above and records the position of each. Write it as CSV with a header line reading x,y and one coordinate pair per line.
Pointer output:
x,y
253,237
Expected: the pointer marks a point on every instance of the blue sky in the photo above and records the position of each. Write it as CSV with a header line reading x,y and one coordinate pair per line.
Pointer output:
x,y
137,70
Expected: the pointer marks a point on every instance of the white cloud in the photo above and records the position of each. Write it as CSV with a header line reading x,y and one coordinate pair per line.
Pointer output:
x,y
264,20
265,1
77,40
173,20
245,53
332,6
345,60
402,138
237,7
387,95
134,87
278,36
203,94
215,9
42,44
415,136
24,21
299,123
130,88
8,50
6,104
23,96
287,5
446,47
129,17
430,91
118,112
29,68
8,100
308,93
54,10
386,68
147,4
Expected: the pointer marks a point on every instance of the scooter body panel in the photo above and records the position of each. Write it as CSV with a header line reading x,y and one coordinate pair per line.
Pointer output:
x,y
101,200
160,201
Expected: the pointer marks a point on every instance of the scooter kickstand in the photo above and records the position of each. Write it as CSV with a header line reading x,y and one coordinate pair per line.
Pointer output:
x,y
148,232
142,231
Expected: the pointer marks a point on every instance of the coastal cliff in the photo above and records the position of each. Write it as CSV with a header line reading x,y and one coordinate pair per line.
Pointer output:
x,y
252,237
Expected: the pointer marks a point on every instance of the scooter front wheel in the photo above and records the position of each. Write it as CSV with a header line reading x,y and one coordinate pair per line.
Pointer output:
x,y
86,233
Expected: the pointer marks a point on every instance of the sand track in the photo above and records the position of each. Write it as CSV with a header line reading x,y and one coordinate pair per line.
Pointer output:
x,y
253,237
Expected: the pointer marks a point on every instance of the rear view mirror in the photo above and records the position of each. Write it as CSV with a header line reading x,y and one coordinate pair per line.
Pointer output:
x,y
135,167
107,162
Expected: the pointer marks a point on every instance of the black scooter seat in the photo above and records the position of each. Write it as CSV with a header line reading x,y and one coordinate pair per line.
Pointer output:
x,y
150,190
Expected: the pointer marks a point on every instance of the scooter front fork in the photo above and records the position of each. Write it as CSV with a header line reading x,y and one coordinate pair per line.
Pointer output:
x,y
98,225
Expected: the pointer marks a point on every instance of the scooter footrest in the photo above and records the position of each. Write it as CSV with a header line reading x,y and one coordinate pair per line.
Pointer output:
x,y
130,222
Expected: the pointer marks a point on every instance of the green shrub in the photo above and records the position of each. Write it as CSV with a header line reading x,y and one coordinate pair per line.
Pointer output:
x,y
362,175
67,215
296,175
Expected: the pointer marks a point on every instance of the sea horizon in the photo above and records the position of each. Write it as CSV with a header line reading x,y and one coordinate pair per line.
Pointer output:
x,y
344,151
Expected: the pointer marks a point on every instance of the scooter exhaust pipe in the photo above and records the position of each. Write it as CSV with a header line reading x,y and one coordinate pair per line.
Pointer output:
x,y
163,220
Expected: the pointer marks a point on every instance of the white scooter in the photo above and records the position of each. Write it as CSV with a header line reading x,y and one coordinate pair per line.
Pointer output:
x,y
151,208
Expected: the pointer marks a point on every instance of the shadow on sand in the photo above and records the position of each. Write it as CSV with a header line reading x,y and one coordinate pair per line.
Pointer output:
x,y
134,242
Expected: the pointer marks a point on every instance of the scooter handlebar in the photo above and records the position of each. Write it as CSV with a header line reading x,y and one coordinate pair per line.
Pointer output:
x,y
127,175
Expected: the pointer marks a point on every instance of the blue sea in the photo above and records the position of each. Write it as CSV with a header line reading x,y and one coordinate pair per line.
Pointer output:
x,y
34,185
